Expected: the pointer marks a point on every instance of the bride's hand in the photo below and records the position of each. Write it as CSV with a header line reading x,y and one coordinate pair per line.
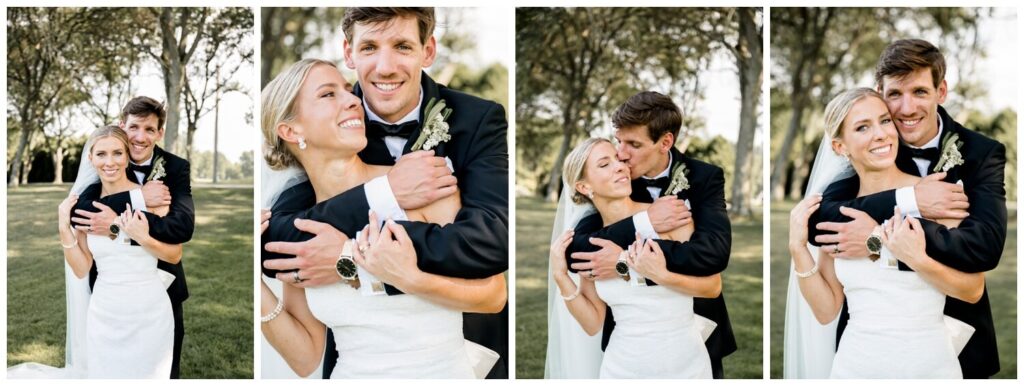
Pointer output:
x,y
64,210
389,254
647,258
904,238
135,224
556,255
264,220
798,220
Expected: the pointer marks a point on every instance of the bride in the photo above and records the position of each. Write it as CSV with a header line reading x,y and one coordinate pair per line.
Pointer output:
x,y
896,327
656,335
310,121
128,327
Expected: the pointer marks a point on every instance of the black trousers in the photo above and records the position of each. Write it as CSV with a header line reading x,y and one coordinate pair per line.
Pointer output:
x,y
179,336
716,368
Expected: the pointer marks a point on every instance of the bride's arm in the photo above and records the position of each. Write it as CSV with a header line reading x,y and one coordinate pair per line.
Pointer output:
x,y
295,333
136,225
75,243
820,289
907,242
583,303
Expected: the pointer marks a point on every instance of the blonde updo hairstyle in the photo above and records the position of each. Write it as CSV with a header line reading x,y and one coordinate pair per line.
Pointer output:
x,y
839,107
574,167
108,131
278,105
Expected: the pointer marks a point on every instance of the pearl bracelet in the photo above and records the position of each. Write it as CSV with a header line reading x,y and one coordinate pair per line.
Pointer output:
x,y
804,275
275,313
573,296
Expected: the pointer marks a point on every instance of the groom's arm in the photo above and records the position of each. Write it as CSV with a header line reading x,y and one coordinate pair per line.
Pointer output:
x,y
976,245
475,245
706,253
178,225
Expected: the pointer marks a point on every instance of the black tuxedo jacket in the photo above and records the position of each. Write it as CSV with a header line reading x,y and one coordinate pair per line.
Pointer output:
x,y
474,246
706,253
175,228
975,246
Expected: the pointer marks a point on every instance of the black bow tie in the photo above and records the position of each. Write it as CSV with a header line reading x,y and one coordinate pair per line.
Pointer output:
x,y
930,154
660,182
381,129
145,170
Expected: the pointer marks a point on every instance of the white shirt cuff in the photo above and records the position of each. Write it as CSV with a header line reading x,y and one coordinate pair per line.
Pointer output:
x,y
643,226
907,201
382,199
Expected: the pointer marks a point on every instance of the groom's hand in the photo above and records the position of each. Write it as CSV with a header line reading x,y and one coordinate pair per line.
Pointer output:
x,y
668,213
600,262
938,199
418,179
850,239
95,223
155,193
315,259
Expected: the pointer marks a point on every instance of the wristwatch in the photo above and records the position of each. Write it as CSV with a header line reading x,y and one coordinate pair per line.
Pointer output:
x,y
874,243
621,267
114,231
346,266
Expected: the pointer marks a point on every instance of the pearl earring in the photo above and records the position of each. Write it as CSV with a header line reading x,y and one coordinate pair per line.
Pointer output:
x,y
302,143
590,195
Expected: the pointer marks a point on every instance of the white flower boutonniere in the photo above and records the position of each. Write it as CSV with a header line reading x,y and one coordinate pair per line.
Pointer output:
x,y
435,129
950,156
158,170
679,182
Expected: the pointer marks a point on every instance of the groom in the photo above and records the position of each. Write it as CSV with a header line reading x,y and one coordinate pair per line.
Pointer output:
x,y
910,75
647,126
142,118
388,48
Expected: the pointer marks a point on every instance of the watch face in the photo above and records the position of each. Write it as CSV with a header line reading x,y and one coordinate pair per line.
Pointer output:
x,y
874,244
114,229
621,268
347,268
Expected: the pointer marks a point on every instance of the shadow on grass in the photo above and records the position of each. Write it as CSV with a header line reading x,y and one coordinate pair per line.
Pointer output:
x,y
1001,283
743,291
219,271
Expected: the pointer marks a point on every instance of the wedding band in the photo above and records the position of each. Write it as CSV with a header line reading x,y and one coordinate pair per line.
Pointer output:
x,y
295,277
363,248
836,249
591,274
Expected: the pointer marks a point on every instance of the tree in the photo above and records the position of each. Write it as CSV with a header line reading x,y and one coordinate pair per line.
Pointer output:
x,y
48,48
225,50
287,33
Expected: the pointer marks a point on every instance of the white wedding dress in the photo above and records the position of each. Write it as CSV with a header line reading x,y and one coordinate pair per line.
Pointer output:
x,y
655,336
402,336
129,324
896,327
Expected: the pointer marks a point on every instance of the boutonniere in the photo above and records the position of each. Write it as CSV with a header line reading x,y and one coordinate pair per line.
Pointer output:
x,y
950,155
435,129
158,170
679,182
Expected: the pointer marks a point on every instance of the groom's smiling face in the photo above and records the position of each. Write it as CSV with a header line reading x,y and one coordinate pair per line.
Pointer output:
x,y
913,101
389,58
143,134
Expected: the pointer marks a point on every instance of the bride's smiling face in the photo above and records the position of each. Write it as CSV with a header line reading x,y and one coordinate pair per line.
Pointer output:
x,y
110,158
604,174
328,116
868,135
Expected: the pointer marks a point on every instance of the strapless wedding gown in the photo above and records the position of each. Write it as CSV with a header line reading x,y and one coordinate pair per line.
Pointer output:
x,y
655,336
896,327
129,325
401,336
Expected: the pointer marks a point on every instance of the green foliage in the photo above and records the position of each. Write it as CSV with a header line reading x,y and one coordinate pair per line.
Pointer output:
x,y
1002,127
219,264
202,166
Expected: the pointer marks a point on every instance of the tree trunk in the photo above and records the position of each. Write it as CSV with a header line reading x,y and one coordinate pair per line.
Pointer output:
x,y
58,165
748,62
19,155
555,178
782,157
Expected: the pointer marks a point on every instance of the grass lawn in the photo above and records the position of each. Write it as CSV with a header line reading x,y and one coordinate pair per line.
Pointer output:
x,y
743,290
218,264
1001,283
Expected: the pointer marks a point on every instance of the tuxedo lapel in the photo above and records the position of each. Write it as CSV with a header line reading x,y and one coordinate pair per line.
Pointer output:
x,y
430,91
905,162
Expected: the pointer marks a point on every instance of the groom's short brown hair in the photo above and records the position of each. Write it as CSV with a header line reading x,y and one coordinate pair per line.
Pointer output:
x,y
143,106
651,109
905,56
368,15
